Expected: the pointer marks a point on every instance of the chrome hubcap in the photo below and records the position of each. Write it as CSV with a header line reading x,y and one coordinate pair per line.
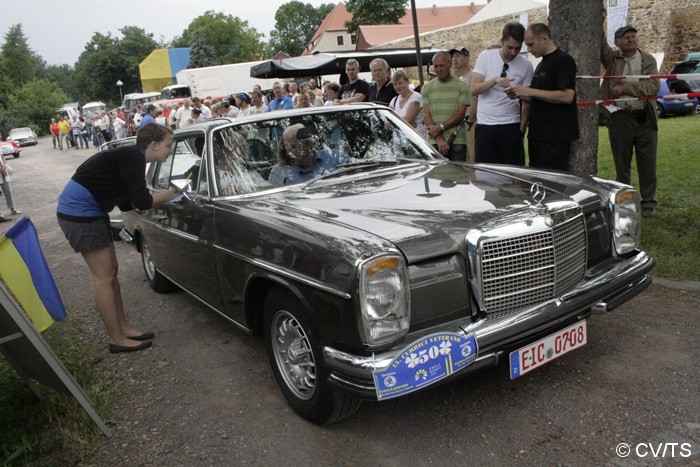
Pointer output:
x,y
148,262
293,355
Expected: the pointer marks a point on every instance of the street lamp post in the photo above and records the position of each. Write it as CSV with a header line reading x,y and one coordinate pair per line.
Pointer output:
x,y
121,97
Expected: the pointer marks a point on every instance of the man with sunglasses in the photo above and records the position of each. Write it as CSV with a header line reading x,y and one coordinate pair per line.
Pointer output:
x,y
502,117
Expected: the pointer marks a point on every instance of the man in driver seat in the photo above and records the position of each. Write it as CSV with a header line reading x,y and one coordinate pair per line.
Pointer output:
x,y
306,161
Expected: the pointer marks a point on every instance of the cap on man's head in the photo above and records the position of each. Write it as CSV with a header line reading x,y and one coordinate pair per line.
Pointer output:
x,y
243,96
624,30
462,51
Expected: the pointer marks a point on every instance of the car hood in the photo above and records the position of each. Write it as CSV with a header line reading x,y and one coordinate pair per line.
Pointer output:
x,y
428,208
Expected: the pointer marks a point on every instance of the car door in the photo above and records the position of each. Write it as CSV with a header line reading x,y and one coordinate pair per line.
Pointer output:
x,y
184,250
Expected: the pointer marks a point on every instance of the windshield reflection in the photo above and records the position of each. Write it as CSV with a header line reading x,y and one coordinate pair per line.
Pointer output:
x,y
286,151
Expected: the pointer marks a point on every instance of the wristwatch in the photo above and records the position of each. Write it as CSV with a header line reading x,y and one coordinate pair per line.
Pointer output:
x,y
442,127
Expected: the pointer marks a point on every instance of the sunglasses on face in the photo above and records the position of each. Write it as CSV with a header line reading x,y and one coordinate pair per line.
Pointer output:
x,y
504,71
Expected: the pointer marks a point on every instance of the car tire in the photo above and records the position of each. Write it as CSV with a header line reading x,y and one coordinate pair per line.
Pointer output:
x,y
156,280
661,111
16,156
297,362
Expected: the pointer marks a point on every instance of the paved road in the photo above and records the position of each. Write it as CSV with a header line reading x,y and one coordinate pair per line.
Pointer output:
x,y
204,394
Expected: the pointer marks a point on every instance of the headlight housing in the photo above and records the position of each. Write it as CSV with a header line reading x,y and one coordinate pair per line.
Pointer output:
x,y
627,229
384,299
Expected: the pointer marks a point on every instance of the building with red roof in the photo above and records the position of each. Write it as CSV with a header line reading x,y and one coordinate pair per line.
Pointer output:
x,y
332,36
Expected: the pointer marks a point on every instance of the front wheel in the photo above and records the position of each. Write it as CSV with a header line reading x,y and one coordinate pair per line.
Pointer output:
x,y
156,280
16,155
297,362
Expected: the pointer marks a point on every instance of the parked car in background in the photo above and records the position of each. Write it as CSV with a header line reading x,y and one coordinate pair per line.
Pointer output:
x,y
115,143
683,86
668,107
372,266
10,148
22,136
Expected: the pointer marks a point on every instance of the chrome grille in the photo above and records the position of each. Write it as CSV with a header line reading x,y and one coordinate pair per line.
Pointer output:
x,y
534,267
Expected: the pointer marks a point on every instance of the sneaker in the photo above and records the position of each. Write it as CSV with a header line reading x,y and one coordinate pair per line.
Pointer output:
x,y
4,219
15,211
648,212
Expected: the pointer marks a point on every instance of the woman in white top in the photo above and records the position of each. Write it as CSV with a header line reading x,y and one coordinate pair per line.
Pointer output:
x,y
408,103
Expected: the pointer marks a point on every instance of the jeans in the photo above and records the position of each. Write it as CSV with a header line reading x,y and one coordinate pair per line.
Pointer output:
x,y
7,190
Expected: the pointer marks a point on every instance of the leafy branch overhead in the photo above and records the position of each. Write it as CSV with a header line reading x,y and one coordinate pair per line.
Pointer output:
x,y
374,12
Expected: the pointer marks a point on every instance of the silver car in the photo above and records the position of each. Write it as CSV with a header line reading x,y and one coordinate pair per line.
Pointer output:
x,y
23,136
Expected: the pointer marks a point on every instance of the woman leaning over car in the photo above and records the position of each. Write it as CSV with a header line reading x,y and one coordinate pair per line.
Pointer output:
x,y
107,179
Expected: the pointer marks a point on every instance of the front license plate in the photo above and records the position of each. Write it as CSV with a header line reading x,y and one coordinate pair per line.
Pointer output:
x,y
547,349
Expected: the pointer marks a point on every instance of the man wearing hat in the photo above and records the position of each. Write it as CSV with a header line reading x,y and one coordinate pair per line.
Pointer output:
x,y
462,70
632,125
150,116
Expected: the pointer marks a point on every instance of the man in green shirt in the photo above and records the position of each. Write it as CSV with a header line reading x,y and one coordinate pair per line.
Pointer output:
x,y
445,102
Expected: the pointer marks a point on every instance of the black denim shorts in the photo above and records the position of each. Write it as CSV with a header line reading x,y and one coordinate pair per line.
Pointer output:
x,y
87,236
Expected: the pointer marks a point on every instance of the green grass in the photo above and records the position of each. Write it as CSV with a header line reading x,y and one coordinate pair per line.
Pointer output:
x,y
672,238
55,431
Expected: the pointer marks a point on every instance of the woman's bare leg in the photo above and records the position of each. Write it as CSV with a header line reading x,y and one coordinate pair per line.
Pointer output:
x,y
104,268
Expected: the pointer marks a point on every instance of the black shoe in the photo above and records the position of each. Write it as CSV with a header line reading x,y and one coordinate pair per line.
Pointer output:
x,y
143,337
4,219
114,348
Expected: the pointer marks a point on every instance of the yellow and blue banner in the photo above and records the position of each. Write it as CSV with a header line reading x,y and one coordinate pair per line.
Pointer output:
x,y
25,271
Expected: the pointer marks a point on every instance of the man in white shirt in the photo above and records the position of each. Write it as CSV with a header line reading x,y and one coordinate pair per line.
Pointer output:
x,y
502,117
197,104
183,113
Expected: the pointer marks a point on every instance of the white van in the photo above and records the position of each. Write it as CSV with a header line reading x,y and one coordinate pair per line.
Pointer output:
x,y
94,107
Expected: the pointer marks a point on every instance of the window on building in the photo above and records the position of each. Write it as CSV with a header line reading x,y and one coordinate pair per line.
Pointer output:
x,y
340,40
353,39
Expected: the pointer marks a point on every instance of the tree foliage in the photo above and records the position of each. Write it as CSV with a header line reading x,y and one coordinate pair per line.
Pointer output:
x,y
374,12
107,59
34,104
231,38
20,64
201,53
295,24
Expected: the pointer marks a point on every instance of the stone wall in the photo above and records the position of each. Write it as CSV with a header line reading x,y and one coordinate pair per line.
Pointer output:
x,y
668,26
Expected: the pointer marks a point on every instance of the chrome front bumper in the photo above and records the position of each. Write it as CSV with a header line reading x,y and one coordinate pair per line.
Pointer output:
x,y
604,289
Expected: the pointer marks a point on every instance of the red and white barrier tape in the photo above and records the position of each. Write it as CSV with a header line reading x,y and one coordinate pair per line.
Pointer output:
x,y
691,76
688,95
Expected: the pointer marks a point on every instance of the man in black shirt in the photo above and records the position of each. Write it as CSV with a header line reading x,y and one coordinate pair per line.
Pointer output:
x,y
553,122
356,89
382,90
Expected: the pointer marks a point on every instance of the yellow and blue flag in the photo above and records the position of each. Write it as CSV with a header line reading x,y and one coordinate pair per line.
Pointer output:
x,y
23,268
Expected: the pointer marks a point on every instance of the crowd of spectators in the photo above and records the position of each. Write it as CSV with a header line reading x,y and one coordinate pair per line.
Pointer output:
x,y
474,115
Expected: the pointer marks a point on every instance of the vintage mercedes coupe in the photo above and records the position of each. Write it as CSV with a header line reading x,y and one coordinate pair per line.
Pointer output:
x,y
375,268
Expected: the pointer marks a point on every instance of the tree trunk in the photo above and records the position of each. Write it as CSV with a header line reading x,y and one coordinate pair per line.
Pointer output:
x,y
576,28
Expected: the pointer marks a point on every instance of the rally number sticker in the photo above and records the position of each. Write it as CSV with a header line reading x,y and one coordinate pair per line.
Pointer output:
x,y
424,362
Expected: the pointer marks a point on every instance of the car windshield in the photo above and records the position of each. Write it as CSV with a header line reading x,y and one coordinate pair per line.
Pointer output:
x,y
286,151
20,132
